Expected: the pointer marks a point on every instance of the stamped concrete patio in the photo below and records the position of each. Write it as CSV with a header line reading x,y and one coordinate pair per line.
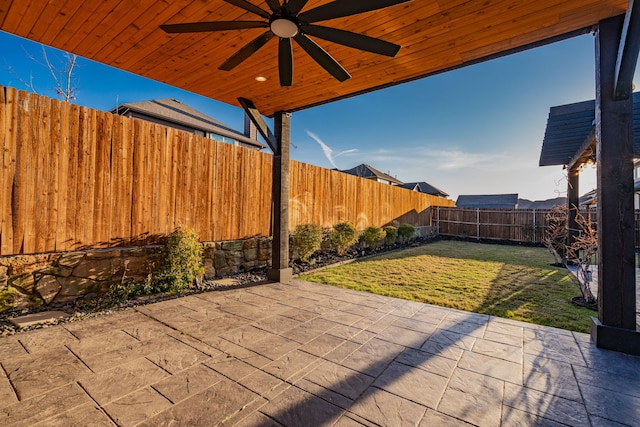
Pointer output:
x,y
310,355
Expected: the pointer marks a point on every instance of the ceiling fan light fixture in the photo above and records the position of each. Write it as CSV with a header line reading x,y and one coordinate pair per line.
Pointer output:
x,y
284,28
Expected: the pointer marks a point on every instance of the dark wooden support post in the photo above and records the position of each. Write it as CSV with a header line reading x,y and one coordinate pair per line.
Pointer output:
x,y
280,270
573,205
615,328
280,142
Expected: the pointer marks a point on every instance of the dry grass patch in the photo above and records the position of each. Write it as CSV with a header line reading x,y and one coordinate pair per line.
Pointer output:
x,y
507,281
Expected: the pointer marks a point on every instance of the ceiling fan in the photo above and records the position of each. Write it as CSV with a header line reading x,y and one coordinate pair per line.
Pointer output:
x,y
286,22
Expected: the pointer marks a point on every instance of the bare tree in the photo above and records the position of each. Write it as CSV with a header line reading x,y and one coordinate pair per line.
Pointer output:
x,y
555,235
61,70
581,252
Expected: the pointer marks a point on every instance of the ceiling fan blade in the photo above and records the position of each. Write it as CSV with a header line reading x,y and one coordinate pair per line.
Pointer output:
x,y
273,4
248,50
322,57
200,27
250,7
285,62
340,8
295,6
347,38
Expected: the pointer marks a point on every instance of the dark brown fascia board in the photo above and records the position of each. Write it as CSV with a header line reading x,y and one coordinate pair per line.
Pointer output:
x,y
581,155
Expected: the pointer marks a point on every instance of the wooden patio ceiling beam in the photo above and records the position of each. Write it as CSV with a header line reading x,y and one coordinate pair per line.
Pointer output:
x,y
256,118
627,52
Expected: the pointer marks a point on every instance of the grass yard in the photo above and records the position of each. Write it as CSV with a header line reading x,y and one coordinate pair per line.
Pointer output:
x,y
507,281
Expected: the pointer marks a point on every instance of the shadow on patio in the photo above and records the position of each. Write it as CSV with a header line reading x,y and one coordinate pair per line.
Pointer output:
x,y
308,354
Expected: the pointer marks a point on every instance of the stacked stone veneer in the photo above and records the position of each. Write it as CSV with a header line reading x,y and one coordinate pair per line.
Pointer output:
x,y
33,280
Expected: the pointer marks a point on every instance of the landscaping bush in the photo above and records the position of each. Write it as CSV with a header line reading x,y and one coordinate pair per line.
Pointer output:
x,y
307,239
343,236
183,263
373,236
391,234
406,232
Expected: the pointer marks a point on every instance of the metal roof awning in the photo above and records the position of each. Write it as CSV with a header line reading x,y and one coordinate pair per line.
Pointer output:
x,y
570,132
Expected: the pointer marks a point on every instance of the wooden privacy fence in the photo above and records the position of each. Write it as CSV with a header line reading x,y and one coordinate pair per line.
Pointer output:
x,y
73,177
518,225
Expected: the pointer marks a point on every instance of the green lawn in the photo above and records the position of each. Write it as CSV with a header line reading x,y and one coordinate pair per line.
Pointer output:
x,y
506,281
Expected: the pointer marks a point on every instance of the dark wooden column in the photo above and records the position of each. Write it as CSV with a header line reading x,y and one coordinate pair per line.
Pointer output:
x,y
615,327
280,270
573,205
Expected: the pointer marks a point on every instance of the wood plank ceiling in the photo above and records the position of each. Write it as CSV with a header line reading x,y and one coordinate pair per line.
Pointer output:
x,y
435,35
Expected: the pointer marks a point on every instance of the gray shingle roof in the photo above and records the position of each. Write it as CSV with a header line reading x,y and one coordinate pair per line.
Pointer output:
x,y
366,171
424,187
172,110
488,201
569,126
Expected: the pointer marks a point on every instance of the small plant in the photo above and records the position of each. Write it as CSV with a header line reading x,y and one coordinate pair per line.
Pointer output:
x,y
343,236
391,234
122,291
406,232
373,236
183,263
6,299
307,239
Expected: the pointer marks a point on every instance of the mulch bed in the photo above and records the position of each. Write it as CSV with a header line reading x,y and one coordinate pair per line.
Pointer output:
x,y
92,305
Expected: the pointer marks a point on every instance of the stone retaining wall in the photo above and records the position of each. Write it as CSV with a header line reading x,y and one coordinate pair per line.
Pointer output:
x,y
34,280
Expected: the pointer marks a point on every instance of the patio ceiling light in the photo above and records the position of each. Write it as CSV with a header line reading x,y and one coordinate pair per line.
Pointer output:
x,y
284,28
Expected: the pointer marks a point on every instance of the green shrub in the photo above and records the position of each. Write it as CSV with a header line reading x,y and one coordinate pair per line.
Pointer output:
x,y
406,232
391,234
6,299
124,290
373,236
183,263
307,239
344,235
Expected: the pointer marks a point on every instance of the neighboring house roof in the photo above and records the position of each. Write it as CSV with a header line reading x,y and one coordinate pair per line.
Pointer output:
x,y
174,111
488,201
589,198
568,127
423,187
541,204
366,171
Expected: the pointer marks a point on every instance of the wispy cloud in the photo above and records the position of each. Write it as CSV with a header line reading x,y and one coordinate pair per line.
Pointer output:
x,y
451,160
328,151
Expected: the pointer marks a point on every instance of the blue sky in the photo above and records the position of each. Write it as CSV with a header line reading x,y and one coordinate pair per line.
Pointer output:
x,y
476,130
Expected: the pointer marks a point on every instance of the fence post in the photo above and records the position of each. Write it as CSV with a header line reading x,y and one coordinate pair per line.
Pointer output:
x,y
477,223
534,226
438,221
